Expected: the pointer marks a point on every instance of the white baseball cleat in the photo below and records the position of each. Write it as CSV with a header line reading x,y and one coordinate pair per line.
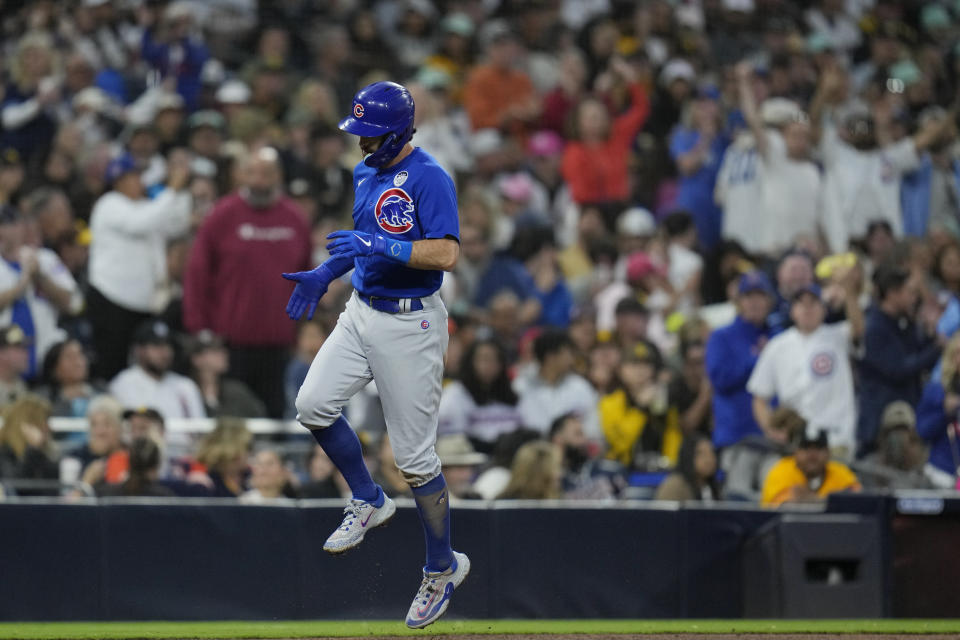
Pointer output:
x,y
358,518
433,598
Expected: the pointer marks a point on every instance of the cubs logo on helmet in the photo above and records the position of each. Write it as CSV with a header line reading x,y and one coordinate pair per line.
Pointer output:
x,y
358,110
394,211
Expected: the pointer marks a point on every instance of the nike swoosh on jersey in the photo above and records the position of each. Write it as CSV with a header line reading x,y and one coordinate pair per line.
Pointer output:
x,y
366,242
361,181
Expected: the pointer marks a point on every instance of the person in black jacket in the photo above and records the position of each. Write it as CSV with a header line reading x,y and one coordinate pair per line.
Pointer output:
x,y
26,445
897,351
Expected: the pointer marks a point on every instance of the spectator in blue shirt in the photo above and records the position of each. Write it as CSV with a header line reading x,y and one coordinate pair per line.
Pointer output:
x,y
172,49
697,150
732,352
939,409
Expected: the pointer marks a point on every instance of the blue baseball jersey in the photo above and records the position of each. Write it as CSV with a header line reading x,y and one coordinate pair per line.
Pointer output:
x,y
414,199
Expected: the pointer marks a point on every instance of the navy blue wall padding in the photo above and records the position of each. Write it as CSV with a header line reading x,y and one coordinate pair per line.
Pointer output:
x,y
587,563
712,572
51,562
192,560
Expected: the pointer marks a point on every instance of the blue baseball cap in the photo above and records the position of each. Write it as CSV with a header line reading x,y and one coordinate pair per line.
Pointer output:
x,y
755,281
812,289
120,166
709,92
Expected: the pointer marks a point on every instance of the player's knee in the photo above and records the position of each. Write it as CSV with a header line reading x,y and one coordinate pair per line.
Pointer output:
x,y
315,412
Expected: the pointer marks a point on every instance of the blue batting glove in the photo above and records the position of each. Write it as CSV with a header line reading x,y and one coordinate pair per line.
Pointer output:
x,y
311,285
352,244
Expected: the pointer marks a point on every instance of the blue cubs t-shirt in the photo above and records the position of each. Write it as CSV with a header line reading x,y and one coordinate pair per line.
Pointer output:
x,y
414,199
696,189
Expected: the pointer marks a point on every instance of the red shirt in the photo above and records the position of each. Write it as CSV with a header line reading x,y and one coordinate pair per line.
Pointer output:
x,y
232,284
597,172
491,91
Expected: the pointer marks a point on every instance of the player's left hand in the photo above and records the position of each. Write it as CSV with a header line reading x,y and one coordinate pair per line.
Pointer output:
x,y
311,285
350,244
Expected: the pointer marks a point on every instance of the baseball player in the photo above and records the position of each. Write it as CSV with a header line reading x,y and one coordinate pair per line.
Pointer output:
x,y
393,330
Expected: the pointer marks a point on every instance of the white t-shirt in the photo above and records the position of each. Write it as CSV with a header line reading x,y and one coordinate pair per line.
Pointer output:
x,y
738,192
45,315
812,374
684,264
540,404
128,259
174,396
459,413
791,201
862,186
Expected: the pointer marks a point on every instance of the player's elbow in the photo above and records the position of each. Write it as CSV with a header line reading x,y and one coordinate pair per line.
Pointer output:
x,y
450,255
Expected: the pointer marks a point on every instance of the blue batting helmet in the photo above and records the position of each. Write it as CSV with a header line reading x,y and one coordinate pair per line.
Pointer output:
x,y
382,108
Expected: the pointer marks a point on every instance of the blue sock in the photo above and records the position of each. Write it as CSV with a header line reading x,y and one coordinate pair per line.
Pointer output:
x,y
433,505
343,447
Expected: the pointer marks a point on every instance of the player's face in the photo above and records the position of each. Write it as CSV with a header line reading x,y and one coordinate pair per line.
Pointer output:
x,y
369,145
807,313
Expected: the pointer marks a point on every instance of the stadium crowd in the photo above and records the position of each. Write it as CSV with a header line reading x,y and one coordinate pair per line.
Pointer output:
x,y
710,249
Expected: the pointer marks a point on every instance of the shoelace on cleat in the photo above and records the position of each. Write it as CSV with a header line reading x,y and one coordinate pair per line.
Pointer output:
x,y
426,588
351,511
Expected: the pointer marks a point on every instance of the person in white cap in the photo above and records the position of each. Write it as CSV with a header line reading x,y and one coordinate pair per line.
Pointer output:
x,y
789,183
460,465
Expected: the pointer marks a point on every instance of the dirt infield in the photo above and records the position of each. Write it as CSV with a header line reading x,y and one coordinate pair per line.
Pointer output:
x,y
669,636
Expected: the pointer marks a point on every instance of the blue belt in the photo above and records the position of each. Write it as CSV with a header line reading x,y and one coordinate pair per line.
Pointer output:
x,y
391,305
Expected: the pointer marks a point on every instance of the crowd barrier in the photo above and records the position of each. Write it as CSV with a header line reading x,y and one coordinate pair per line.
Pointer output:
x,y
124,559
257,426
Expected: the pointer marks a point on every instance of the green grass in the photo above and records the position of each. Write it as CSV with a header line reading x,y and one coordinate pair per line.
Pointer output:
x,y
327,628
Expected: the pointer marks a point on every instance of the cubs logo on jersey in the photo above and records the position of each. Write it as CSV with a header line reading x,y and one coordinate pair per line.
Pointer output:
x,y
822,364
394,211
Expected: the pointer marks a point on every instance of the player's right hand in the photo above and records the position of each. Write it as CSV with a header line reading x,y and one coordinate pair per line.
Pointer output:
x,y
311,285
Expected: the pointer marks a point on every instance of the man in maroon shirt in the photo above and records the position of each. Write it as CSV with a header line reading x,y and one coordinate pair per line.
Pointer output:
x,y
230,286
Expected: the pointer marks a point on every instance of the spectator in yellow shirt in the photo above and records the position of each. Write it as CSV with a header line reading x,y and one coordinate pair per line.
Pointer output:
x,y
807,476
639,422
